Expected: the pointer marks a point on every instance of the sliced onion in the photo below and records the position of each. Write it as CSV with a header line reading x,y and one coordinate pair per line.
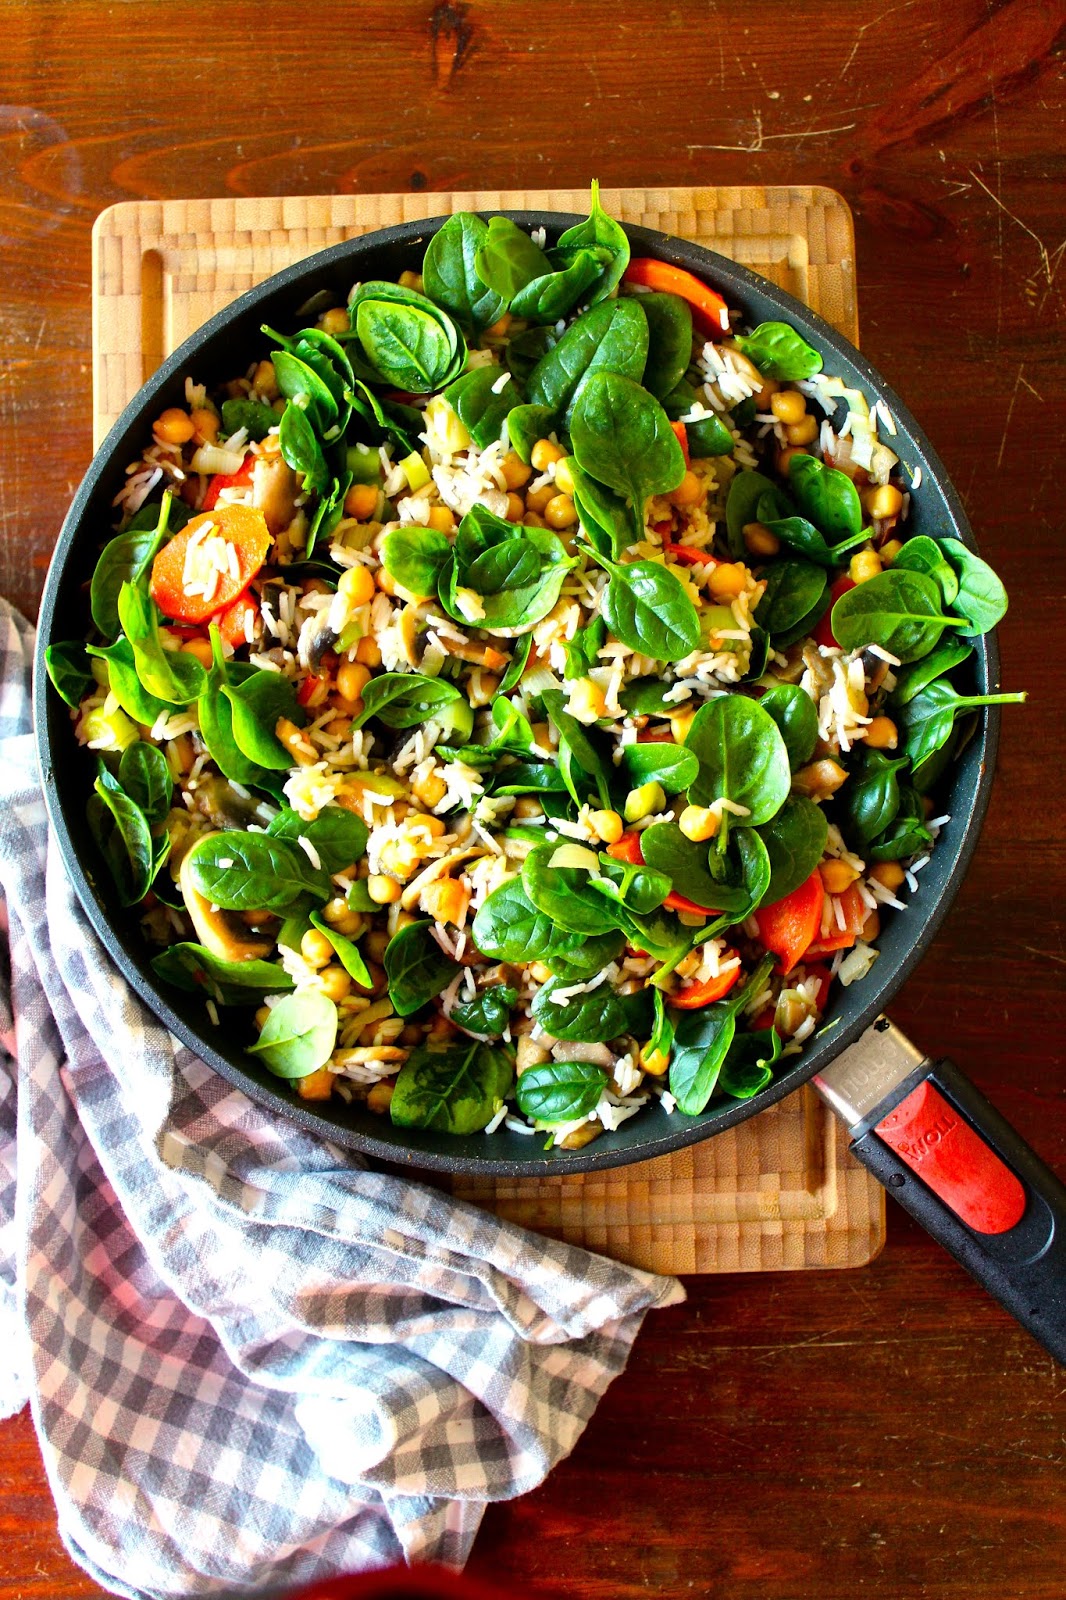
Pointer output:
x,y
211,458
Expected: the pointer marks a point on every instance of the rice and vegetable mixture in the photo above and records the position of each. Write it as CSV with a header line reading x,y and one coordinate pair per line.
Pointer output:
x,y
518,691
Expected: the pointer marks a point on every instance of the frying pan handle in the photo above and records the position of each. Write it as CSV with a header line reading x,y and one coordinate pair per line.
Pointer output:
x,y
960,1169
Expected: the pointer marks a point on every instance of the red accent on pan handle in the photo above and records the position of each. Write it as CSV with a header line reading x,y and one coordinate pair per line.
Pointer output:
x,y
952,1159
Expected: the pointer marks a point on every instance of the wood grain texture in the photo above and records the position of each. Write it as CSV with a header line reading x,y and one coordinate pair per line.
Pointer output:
x,y
779,1192
880,1433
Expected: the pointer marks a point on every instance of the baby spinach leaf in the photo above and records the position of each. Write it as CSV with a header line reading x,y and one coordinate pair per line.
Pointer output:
x,y
523,350
796,717
749,1063
911,680
982,599
640,889
565,895
119,560
795,843
574,737
480,405
793,590
670,764
602,234
687,865
528,777
300,448
145,776
510,565
488,1014
517,665
553,295
803,537
609,338
121,830
302,385
508,927
347,952
583,650
480,532
806,624
645,606
67,665
299,1035
411,348
253,416
669,343
745,502
622,437
742,757
507,259
701,1042
230,983
587,958
215,716
338,836
560,1091
416,557
662,1034
588,1018
404,699
416,968
869,800
256,704
923,554
898,610
450,276
647,697
926,721
173,676
758,654
242,871
780,352
907,834
525,425
825,496
455,1088
604,517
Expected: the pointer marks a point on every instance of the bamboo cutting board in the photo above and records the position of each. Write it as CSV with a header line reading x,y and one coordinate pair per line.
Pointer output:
x,y
778,1192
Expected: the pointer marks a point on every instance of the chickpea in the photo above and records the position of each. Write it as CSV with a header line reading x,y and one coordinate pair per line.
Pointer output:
x,y
564,477
516,508
689,492
820,778
382,890
200,648
515,472
205,426
543,453
759,540
680,723
698,823
440,517
865,564
316,948
805,431
762,399
379,1097
537,499
871,927
335,321
531,520
411,280
788,406
339,915
262,1017
884,501
335,983
361,501
352,679
358,584
265,381
727,580
836,876
889,874
499,328
340,727
368,652
608,825
174,426
385,581
528,805
376,945
784,457
882,734
889,551
560,512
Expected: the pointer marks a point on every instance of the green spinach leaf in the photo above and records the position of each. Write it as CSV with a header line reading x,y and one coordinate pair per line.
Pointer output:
x,y
868,802
554,294
507,259
416,968
796,716
622,437
67,665
299,1035
982,599
301,450
170,675
795,843
825,496
907,835
609,338
926,722
793,590
416,557
669,343
488,1014
449,274
945,658
508,927
669,764
121,830
525,425
404,699
923,554
646,607
481,406
701,1043
780,352
742,757
253,416
145,776
455,1088
566,896
898,610
346,951
337,836
603,234
230,983
242,871
589,1018
560,1091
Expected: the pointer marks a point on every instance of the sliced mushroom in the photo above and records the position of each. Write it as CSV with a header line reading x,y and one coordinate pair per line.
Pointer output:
x,y
597,1054
219,931
224,808
274,491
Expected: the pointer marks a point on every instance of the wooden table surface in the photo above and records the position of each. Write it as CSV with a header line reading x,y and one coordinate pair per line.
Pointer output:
x,y
887,1432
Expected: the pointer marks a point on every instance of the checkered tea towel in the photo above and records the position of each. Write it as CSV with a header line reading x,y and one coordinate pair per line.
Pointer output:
x,y
250,1361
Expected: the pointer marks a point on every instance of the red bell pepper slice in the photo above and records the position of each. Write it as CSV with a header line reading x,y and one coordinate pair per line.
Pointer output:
x,y
628,850
789,925
823,633
855,914
695,995
688,555
228,480
709,310
681,434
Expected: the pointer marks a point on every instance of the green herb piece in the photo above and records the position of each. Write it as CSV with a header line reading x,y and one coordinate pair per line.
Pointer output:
x,y
604,235
687,865
230,983
257,702
301,450
508,927
416,968
640,889
488,1014
67,665
121,830
408,340
982,599
560,1091
576,742
517,665
583,650
780,352
796,716
516,605
404,699
793,590
454,1088
701,1043
302,385
898,610
145,776
416,557
804,538
299,1035
923,554
242,871
926,721
449,274
337,836
607,338
742,758
622,437
648,697
795,843
669,342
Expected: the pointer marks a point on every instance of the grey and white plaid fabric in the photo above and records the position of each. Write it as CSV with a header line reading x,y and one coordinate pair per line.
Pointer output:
x,y
250,1361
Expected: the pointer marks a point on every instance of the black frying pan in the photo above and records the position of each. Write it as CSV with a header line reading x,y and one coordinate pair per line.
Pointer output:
x,y
996,1212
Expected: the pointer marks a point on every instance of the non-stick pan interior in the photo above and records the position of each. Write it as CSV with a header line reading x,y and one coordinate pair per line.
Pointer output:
x,y
214,354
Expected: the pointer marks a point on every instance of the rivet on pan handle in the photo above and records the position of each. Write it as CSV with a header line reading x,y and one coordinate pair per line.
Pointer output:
x,y
960,1169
